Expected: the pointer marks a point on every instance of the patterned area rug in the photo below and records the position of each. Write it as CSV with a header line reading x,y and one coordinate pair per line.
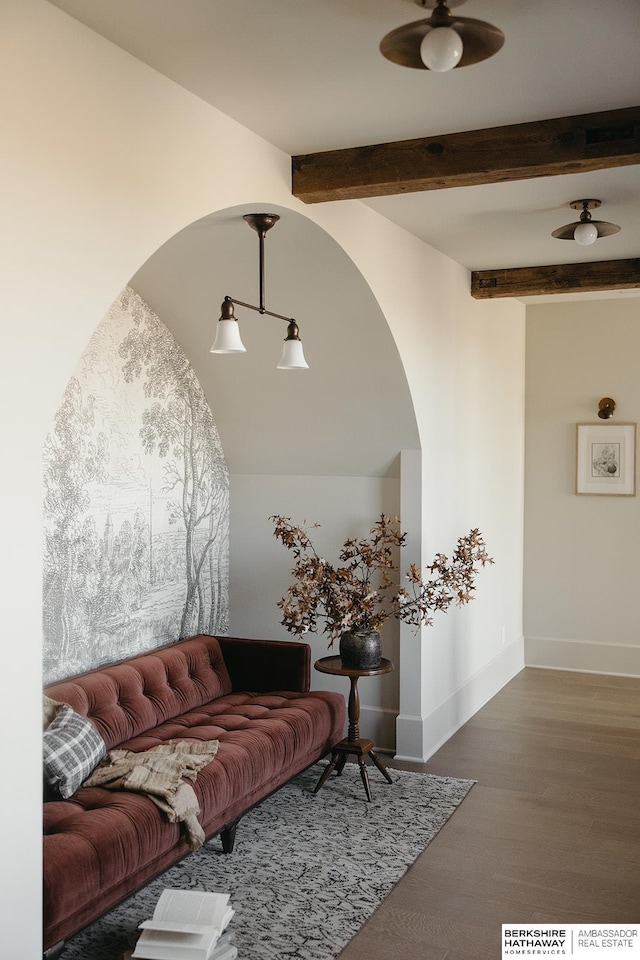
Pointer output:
x,y
307,870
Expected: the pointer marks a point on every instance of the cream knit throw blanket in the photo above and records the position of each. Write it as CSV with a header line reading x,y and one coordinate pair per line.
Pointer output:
x,y
159,773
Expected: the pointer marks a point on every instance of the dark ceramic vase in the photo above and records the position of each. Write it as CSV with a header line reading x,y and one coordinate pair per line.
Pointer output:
x,y
360,649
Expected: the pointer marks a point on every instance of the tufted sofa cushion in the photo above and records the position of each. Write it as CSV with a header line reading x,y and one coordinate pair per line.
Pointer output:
x,y
127,698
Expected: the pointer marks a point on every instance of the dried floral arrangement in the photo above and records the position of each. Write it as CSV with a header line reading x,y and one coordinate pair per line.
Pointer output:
x,y
360,592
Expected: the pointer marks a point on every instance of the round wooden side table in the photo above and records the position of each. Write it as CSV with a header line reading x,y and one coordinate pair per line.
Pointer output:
x,y
352,743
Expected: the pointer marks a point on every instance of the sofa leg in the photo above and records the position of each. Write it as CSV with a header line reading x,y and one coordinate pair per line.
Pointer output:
x,y
228,837
54,952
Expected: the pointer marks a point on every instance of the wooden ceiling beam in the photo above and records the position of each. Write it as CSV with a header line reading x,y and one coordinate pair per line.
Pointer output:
x,y
544,148
557,278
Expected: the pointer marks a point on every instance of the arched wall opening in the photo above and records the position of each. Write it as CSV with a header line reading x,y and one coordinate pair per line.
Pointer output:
x,y
321,445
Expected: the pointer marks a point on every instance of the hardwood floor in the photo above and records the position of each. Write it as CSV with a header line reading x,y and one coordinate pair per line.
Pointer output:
x,y
550,832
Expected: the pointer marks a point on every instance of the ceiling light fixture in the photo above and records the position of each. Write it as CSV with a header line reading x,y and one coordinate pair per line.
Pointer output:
x,y
442,42
585,231
228,338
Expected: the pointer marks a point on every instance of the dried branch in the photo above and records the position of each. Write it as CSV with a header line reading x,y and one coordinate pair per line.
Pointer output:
x,y
358,594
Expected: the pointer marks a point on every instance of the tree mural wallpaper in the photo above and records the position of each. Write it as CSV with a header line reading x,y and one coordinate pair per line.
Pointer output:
x,y
136,508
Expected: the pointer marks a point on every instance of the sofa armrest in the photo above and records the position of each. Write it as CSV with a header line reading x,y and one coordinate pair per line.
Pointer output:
x,y
263,665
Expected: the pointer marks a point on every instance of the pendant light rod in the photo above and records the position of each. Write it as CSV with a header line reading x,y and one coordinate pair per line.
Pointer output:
x,y
261,223
261,309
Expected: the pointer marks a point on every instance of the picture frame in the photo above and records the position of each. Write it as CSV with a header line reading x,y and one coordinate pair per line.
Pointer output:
x,y
606,459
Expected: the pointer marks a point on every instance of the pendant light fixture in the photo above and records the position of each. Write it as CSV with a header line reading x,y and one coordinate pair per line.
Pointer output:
x,y
228,338
585,231
442,42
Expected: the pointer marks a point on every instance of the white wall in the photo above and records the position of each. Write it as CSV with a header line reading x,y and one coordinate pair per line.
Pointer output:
x,y
582,566
103,160
260,568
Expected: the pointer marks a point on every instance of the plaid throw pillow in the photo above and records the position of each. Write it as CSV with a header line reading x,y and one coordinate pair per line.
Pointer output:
x,y
71,748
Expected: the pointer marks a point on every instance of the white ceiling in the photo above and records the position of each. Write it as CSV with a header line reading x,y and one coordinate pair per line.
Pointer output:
x,y
307,75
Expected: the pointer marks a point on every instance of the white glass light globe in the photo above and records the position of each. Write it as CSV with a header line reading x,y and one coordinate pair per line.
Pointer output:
x,y
292,356
441,49
228,337
585,233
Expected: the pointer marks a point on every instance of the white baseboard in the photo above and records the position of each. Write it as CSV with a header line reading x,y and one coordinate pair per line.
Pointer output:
x,y
418,738
379,724
582,656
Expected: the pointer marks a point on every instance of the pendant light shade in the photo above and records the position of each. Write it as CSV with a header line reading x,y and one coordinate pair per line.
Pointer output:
x,y
585,231
228,338
442,42
292,354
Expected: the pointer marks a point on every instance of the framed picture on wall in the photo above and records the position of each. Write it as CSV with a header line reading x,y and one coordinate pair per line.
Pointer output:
x,y
606,459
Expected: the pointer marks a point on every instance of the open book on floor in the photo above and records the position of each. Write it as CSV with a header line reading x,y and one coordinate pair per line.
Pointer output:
x,y
187,925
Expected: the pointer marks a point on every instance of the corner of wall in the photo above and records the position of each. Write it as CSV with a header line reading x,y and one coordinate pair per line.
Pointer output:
x,y
418,738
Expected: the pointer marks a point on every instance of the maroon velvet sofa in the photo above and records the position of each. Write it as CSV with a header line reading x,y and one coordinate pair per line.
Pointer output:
x,y
251,695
